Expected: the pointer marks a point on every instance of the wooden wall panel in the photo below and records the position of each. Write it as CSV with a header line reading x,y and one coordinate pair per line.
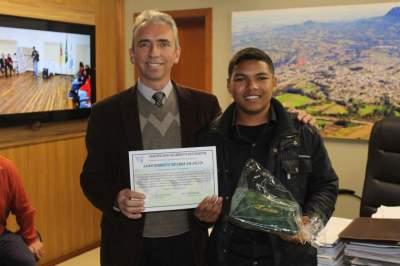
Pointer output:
x,y
109,47
195,33
77,11
64,217
49,165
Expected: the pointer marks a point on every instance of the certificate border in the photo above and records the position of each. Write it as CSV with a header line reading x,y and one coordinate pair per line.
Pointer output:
x,y
174,150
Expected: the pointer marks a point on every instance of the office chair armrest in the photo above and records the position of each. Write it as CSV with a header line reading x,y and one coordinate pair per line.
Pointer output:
x,y
345,191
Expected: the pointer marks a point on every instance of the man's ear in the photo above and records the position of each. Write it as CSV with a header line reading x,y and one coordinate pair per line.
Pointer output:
x,y
228,85
132,55
275,82
177,55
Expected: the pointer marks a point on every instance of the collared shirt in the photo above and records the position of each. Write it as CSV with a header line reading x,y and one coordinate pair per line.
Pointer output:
x,y
148,92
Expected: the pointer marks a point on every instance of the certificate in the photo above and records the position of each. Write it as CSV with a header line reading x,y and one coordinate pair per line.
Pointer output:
x,y
174,179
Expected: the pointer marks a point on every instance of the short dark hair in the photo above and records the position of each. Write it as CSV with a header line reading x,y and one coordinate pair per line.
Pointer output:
x,y
248,54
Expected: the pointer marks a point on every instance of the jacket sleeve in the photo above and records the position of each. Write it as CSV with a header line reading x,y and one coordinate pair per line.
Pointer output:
x,y
97,180
21,206
215,110
210,109
322,187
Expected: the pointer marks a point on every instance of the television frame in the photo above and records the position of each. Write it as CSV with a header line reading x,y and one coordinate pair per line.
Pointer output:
x,y
35,118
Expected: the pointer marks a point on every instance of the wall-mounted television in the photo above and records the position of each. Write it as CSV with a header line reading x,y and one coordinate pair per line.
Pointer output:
x,y
47,70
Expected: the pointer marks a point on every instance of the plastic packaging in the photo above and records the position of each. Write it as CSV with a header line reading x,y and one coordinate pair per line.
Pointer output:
x,y
261,202
311,229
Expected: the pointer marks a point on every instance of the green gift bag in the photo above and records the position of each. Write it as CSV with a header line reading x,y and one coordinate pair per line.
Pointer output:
x,y
261,202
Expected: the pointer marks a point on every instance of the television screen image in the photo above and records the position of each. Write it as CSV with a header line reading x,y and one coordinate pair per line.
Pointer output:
x,y
47,69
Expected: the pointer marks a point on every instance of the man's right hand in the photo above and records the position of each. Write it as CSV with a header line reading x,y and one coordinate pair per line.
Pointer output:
x,y
131,203
209,209
301,237
37,249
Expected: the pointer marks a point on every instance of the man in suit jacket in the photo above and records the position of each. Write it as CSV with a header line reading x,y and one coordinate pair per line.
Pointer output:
x,y
156,113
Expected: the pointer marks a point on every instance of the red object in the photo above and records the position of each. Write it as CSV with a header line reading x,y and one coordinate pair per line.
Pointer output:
x,y
9,60
87,87
14,199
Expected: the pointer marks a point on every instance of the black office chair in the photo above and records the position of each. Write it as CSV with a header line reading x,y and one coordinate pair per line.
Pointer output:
x,y
382,178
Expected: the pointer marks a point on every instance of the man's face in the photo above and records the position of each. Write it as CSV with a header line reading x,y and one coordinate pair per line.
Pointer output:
x,y
251,85
154,52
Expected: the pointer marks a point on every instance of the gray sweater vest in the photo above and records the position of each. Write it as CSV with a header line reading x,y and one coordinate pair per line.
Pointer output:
x,y
161,129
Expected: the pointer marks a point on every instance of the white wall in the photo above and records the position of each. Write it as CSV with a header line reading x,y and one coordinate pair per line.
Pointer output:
x,y
348,157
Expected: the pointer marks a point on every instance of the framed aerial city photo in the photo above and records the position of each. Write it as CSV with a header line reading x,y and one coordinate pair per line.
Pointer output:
x,y
340,63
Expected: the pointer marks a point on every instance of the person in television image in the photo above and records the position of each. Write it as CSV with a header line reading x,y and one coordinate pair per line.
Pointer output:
x,y
35,62
9,66
81,89
78,80
84,94
24,247
15,63
257,126
2,64
81,69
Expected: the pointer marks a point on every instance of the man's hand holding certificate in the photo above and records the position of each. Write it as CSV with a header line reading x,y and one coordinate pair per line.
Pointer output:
x,y
172,179
130,203
209,209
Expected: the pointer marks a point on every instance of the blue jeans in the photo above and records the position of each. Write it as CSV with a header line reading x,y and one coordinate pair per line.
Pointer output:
x,y
14,251
35,69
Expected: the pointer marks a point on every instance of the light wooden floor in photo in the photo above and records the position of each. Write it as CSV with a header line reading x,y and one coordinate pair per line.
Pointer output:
x,y
22,93
90,258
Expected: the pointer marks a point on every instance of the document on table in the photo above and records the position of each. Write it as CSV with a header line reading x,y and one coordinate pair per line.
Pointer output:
x,y
392,212
174,179
330,234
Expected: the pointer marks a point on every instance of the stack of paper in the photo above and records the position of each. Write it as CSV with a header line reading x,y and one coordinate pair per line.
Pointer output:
x,y
330,248
331,256
372,242
372,254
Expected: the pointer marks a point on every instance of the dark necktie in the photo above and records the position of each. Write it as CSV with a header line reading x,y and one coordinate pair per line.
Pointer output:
x,y
158,98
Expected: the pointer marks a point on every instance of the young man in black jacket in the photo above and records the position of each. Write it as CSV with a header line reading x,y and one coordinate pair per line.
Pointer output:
x,y
257,126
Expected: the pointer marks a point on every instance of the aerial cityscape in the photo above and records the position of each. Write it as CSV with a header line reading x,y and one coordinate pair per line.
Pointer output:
x,y
344,72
